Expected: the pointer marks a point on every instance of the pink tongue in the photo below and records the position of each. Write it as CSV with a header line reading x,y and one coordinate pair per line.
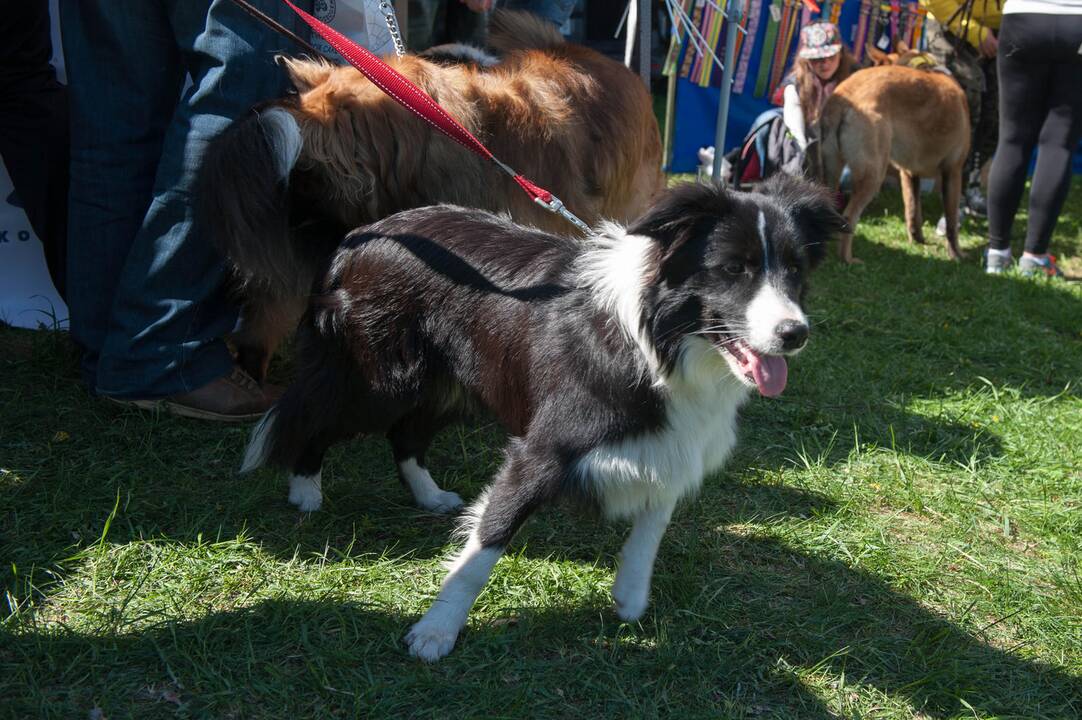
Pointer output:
x,y
769,372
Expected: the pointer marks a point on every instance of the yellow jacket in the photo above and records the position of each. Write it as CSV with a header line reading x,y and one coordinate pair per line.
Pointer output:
x,y
985,17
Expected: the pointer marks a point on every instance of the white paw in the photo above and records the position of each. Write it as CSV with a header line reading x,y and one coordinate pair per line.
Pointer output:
x,y
305,494
631,602
429,642
442,502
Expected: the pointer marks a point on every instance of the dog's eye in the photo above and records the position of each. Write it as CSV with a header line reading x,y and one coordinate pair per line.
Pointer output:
x,y
792,270
735,268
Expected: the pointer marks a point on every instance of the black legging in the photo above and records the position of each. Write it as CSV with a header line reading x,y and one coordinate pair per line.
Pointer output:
x,y
1040,101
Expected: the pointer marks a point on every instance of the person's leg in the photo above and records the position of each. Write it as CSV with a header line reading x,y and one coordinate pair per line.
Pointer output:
x,y
967,70
1058,139
1023,89
983,138
171,309
34,127
124,78
961,60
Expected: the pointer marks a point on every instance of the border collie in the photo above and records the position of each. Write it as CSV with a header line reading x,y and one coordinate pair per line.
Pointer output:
x,y
617,363
281,186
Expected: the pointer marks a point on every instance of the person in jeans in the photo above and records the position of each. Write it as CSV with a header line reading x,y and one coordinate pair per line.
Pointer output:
x,y
146,290
1040,90
34,127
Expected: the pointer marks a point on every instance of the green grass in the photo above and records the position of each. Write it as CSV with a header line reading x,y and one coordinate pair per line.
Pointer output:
x,y
898,536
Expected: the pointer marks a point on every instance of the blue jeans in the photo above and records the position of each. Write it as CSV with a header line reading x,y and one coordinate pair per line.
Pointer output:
x,y
146,288
555,11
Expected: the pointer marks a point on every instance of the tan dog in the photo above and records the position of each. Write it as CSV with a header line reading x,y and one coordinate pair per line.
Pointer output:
x,y
893,115
280,187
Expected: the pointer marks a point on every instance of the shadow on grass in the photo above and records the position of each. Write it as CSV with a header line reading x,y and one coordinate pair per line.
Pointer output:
x,y
742,626
755,629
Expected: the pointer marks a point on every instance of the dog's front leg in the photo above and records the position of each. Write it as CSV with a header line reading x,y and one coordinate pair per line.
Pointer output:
x,y
631,590
435,634
522,484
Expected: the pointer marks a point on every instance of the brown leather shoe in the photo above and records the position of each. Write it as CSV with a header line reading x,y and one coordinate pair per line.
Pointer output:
x,y
233,398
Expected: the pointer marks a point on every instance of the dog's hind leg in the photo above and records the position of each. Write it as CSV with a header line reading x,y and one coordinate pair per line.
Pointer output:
x,y
952,196
410,438
866,147
329,402
311,445
523,483
865,185
306,477
631,590
911,201
279,440
362,415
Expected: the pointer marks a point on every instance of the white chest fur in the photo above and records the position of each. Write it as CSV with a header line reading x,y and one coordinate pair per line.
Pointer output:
x,y
661,467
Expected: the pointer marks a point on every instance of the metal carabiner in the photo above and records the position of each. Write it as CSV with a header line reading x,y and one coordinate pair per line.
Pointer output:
x,y
556,206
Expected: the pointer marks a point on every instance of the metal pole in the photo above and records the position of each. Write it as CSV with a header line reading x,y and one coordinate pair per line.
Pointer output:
x,y
670,110
645,18
734,13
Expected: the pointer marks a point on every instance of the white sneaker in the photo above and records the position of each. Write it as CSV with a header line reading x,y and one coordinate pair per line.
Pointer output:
x,y
996,263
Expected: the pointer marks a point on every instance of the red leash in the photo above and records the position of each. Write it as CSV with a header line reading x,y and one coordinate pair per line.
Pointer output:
x,y
423,106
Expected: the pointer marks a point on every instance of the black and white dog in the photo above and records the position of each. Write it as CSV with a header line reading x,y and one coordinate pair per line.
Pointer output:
x,y
617,363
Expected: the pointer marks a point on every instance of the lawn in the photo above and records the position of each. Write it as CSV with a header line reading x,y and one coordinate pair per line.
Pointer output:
x,y
898,536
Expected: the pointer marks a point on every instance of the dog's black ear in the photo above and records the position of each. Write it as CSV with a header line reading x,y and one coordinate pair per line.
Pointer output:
x,y
813,210
683,213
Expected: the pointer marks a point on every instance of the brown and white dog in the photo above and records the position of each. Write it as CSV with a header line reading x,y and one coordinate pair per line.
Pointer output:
x,y
280,188
912,119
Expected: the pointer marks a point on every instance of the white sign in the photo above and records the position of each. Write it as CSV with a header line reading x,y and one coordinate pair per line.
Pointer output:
x,y
27,296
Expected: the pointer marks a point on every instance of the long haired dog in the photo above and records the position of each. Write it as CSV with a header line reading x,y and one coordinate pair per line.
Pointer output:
x,y
617,363
282,185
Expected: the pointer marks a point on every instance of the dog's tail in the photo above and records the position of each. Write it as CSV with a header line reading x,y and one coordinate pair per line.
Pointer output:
x,y
286,433
319,404
243,201
260,443
519,30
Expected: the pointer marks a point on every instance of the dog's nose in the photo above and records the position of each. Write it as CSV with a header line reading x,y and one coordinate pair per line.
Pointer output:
x,y
792,333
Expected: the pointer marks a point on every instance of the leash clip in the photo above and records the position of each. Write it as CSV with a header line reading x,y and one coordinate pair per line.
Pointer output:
x,y
556,206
